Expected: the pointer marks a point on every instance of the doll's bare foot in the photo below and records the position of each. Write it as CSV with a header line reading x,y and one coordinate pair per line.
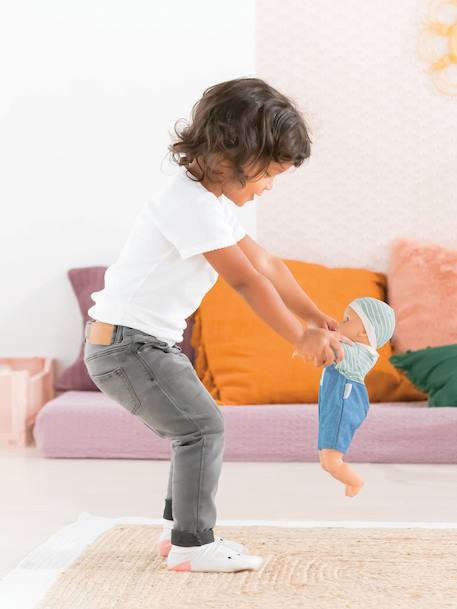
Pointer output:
x,y
351,491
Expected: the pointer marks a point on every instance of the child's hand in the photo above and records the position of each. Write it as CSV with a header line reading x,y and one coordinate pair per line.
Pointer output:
x,y
320,320
320,346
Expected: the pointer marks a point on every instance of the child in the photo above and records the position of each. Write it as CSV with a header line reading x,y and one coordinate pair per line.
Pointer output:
x,y
243,134
343,396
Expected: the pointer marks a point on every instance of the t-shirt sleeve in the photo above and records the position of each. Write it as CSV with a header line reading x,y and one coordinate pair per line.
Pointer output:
x,y
198,225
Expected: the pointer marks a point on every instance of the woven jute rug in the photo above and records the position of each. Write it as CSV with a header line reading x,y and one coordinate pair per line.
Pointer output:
x,y
312,568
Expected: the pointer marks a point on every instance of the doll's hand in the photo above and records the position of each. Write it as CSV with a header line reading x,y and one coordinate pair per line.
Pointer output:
x,y
320,320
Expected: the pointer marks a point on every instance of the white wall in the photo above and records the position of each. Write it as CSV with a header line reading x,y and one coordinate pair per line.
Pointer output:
x,y
89,93
384,158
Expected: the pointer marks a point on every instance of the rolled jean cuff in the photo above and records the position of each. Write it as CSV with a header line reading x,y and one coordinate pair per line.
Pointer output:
x,y
184,538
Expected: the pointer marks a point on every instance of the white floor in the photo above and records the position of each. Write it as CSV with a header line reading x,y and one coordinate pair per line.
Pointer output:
x,y
42,495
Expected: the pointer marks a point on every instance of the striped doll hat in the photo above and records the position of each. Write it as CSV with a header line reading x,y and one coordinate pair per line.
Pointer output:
x,y
377,317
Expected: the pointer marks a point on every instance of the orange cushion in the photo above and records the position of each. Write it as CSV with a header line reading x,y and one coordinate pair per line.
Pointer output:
x,y
241,360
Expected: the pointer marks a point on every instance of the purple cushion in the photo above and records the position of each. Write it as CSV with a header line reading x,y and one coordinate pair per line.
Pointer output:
x,y
85,281
84,424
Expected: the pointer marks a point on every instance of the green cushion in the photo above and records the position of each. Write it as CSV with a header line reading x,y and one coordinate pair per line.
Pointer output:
x,y
433,370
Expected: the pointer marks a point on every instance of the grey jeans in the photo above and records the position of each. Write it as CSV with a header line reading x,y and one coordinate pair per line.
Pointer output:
x,y
157,383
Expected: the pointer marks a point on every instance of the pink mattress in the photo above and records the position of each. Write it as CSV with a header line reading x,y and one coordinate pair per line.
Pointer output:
x,y
89,424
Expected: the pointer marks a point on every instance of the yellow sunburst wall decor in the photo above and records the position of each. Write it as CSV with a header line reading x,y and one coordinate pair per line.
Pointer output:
x,y
438,44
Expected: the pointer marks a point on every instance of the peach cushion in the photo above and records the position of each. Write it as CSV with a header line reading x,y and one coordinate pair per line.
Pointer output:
x,y
241,360
422,282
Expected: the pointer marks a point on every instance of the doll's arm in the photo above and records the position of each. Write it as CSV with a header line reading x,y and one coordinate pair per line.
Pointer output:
x,y
347,363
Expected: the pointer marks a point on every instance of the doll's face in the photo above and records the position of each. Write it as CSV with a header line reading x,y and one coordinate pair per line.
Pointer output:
x,y
352,327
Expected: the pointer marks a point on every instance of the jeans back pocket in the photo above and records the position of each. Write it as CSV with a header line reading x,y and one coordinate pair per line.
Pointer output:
x,y
116,385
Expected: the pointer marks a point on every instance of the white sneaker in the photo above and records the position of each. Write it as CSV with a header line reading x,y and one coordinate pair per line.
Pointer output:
x,y
211,557
164,544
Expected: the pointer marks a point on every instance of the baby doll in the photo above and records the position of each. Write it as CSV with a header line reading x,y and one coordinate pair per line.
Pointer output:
x,y
343,396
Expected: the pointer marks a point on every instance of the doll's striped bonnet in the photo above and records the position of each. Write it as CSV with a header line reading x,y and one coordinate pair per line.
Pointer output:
x,y
377,317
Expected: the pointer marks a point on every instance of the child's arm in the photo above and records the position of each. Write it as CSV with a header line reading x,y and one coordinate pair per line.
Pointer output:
x,y
295,298
285,283
292,294
320,345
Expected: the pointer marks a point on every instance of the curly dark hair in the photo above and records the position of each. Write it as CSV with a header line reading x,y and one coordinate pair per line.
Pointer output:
x,y
245,121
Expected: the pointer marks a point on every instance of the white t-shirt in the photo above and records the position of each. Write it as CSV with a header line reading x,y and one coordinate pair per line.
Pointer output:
x,y
161,275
